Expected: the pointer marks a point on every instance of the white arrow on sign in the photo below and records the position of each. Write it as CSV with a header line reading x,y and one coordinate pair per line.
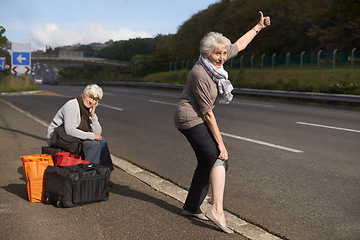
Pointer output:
x,y
20,58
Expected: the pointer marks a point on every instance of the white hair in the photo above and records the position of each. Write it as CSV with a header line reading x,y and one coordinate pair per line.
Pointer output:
x,y
212,41
93,88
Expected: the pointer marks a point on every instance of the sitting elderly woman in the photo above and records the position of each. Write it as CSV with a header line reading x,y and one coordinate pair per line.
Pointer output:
x,y
79,120
194,117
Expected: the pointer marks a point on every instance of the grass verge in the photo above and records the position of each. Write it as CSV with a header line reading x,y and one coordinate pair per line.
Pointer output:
x,y
10,84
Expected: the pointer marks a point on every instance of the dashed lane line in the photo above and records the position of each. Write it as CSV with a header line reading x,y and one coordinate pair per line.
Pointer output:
x,y
262,143
245,139
104,105
329,127
253,104
166,103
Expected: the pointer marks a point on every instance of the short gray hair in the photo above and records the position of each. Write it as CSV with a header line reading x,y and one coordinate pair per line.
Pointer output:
x,y
93,88
212,41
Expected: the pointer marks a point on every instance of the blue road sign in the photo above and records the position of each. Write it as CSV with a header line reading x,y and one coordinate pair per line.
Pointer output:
x,y
2,63
20,58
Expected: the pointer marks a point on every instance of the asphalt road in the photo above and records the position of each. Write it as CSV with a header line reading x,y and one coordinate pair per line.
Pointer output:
x,y
293,168
134,209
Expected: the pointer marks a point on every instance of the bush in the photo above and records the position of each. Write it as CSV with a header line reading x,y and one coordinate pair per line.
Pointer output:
x,y
17,84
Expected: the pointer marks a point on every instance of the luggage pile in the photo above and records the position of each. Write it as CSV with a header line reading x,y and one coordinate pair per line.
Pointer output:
x,y
68,181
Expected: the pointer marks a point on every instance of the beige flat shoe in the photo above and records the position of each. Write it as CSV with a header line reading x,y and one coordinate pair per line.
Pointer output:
x,y
211,216
195,215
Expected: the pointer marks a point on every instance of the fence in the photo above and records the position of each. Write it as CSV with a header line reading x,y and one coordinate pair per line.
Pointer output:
x,y
319,60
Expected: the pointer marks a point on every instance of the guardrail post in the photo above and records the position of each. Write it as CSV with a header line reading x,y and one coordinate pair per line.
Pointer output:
x,y
301,59
334,55
252,61
273,60
318,58
352,57
241,61
262,60
287,59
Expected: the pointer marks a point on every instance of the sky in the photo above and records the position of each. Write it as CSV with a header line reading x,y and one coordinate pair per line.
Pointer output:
x,y
65,22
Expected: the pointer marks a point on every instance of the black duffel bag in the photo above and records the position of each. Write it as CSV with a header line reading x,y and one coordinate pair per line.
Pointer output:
x,y
62,140
70,186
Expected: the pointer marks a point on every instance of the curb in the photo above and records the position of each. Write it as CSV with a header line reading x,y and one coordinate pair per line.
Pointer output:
x,y
237,224
19,93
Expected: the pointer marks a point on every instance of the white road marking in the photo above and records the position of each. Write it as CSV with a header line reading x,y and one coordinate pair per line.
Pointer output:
x,y
330,127
253,104
119,109
119,90
26,113
245,139
166,95
262,143
154,101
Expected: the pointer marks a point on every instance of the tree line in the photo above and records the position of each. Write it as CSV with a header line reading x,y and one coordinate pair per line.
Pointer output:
x,y
296,26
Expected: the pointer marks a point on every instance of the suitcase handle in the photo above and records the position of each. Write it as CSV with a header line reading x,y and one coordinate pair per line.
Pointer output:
x,y
83,167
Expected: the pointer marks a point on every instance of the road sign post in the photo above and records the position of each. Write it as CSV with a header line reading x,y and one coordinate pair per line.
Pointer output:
x,y
20,58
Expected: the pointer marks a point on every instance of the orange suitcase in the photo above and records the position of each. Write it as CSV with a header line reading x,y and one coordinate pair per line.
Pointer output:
x,y
34,167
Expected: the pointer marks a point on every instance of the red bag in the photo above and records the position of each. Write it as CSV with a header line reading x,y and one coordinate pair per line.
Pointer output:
x,y
67,159
34,167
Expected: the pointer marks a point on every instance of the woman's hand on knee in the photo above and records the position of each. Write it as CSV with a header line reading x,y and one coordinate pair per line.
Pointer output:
x,y
98,137
223,153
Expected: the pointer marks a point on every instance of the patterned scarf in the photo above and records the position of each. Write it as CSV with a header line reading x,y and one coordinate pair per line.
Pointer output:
x,y
220,77
85,114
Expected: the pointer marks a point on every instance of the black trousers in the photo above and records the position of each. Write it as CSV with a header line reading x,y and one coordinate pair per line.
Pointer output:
x,y
206,149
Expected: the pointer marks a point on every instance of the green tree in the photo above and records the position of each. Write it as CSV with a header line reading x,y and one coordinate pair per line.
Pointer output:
x,y
4,50
125,50
87,50
296,26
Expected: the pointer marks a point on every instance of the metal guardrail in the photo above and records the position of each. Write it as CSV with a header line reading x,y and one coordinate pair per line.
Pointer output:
x,y
246,91
301,95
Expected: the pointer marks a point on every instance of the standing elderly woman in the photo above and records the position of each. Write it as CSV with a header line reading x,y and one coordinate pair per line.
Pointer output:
x,y
194,118
79,120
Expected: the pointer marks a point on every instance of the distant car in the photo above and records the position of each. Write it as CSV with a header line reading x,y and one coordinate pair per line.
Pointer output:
x,y
38,81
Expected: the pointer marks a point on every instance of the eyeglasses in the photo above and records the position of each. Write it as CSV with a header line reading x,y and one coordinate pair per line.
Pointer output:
x,y
96,99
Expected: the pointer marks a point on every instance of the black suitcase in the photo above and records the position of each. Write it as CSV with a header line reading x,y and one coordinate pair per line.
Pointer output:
x,y
70,186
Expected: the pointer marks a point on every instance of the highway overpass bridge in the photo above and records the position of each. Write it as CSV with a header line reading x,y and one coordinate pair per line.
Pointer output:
x,y
79,60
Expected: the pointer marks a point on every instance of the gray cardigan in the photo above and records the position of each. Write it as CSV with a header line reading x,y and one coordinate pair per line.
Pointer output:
x,y
70,116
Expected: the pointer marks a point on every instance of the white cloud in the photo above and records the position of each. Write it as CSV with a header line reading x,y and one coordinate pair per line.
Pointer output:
x,y
52,35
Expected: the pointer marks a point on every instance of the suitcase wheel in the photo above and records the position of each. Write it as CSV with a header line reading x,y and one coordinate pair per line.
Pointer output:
x,y
47,198
58,202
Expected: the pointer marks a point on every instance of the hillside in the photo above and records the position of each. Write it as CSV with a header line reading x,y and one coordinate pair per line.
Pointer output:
x,y
296,26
